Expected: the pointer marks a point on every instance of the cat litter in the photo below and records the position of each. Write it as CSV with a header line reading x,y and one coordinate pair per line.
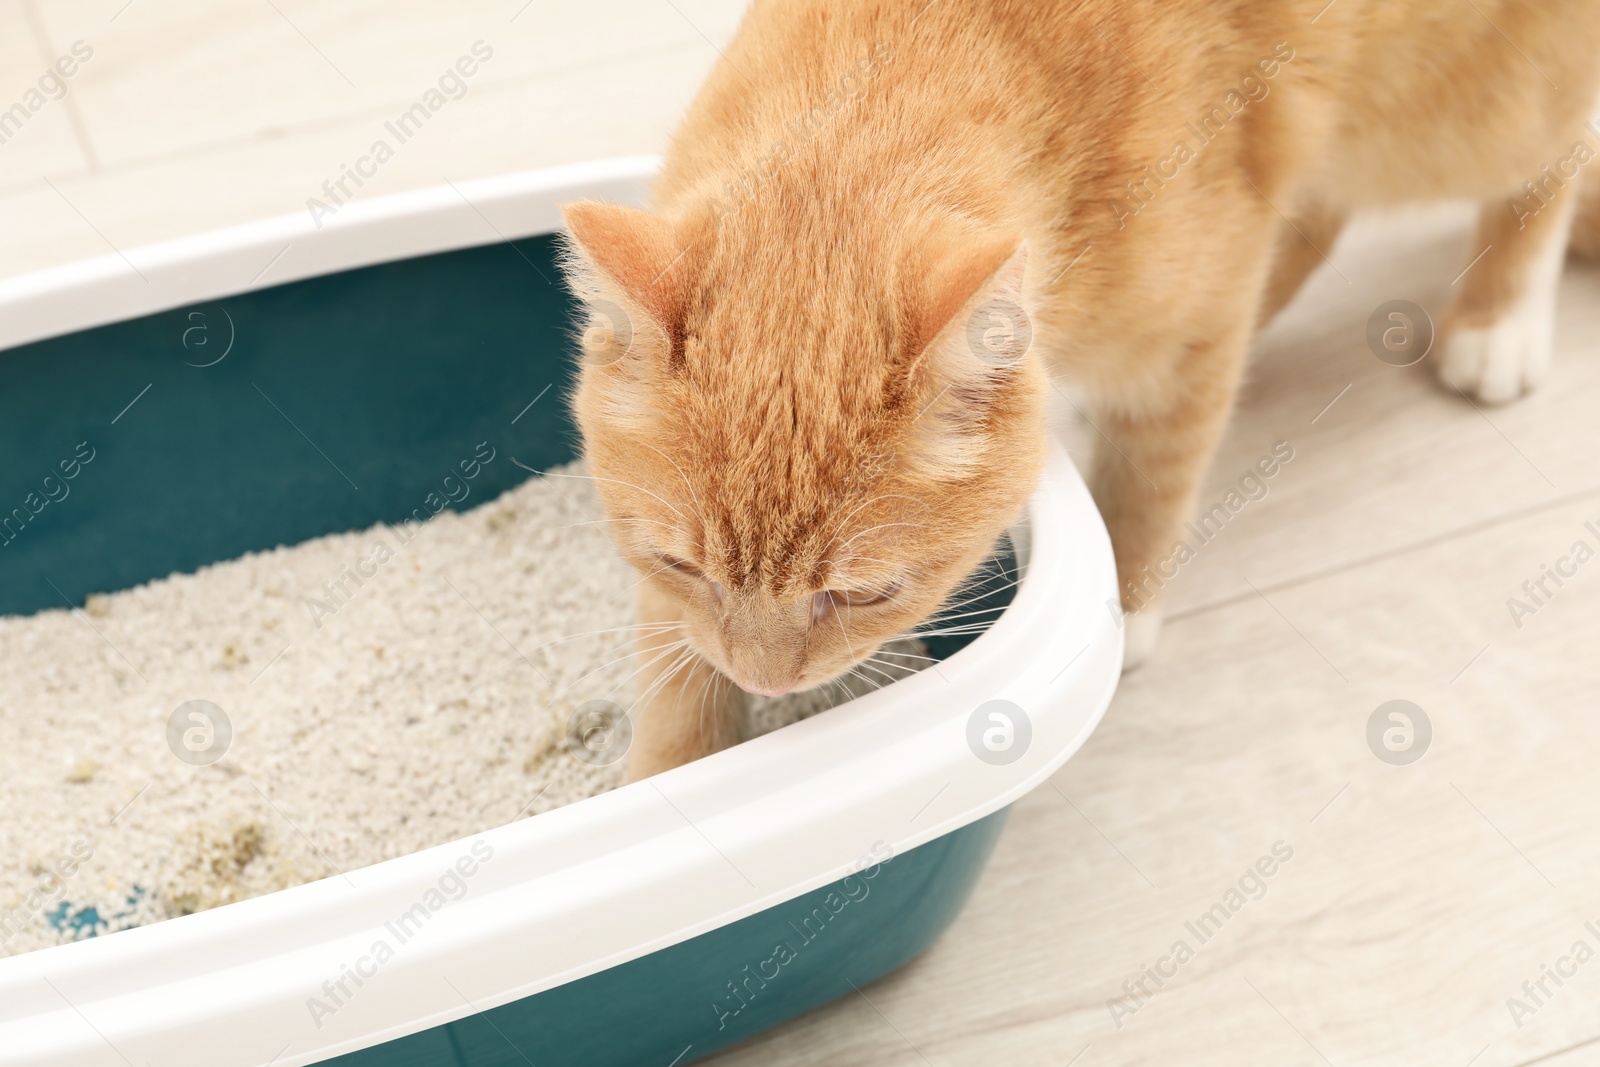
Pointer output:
x,y
302,712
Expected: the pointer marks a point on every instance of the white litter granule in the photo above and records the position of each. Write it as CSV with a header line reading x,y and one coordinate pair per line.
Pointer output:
x,y
385,690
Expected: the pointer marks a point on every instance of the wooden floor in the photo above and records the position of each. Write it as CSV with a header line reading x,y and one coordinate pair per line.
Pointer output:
x,y
1417,899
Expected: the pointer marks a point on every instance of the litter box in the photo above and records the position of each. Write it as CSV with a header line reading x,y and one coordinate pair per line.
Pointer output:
x,y
275,382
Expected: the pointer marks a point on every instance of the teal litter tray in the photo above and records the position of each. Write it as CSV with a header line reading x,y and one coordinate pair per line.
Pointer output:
x,y
653,924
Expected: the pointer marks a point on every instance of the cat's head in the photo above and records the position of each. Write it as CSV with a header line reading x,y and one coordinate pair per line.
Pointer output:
x,y
806,436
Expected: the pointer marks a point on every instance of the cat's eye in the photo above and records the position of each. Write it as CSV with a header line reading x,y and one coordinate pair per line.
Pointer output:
x,y
851,598
683,566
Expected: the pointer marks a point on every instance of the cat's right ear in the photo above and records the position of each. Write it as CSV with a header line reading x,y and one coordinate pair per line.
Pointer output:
x,y
632,256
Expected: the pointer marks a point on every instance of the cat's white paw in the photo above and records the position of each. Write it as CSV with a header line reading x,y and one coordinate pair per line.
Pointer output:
x,y
1499,363
1141,634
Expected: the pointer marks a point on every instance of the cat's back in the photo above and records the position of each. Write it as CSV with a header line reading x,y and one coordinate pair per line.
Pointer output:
x,y
1431,98
1384,100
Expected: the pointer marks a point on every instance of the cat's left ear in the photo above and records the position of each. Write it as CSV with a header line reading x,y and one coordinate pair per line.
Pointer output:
x,y
969,285
636,254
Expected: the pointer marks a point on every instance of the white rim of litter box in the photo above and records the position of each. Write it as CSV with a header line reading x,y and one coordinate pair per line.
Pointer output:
x,y
259,255
586,887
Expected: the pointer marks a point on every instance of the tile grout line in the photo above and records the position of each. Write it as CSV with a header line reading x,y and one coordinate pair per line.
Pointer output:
x,y
1558,1052
325,125
1481,526
80,132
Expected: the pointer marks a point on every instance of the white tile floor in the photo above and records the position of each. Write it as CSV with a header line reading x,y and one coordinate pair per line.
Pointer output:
x,y
1418,898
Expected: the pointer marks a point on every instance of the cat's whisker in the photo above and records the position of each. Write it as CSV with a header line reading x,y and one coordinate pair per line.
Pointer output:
x,y
613,481
909,668
883,526
981,617
845,634
637,629
703,705
955,611
956,631
889,679
646,629
960,598
662,649
684,658
687,484
862,507
907,655
873,683
654,684
980,585
683,661
626,518
659,570
611,693
674,653
838,568
636,642
944,617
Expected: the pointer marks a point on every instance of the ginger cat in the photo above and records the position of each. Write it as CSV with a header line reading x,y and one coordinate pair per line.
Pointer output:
x,y
794,403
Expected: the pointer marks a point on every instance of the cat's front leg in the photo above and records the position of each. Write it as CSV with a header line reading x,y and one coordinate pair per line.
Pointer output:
x,y
686,708
1500,332
1157,443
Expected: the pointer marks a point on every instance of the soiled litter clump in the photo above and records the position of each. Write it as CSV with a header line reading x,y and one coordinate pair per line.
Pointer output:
x,y
383,691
